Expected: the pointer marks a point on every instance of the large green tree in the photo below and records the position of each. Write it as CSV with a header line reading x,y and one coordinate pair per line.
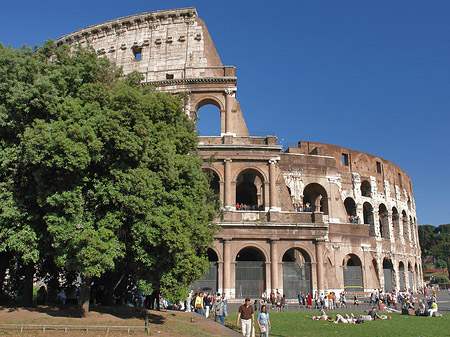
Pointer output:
x,y
115,174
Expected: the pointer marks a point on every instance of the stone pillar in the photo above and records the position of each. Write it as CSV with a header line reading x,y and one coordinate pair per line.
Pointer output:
x,y
227,266
274,263
272,185
319,258
228,189
228,106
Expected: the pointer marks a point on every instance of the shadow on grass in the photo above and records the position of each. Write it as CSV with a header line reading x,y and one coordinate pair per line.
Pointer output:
x,y
72,311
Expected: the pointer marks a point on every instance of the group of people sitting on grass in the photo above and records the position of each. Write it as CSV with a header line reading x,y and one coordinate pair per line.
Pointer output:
x,y
349,319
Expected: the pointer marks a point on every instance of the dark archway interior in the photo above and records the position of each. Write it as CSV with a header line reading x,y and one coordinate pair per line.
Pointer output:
x,y
212,256
350,207
366,190
250,254
315,195
387,264
352,260
296,255
246,193
214,182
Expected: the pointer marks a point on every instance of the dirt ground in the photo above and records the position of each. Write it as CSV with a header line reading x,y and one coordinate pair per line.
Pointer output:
x,y
162,323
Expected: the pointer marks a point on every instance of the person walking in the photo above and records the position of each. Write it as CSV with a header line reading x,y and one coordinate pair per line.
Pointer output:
x,y
199,307
218,309
247,317
263,322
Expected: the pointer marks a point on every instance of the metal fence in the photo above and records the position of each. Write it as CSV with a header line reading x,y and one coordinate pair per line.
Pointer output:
x,y
250,280
353,280
296,278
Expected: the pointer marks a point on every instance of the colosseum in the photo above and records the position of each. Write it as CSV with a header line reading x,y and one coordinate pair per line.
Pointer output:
x,y
312,218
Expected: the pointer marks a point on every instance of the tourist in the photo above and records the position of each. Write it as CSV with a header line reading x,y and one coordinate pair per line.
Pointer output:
x,y
247,317
218,309
433,308
207,304
322,317
264,322
346,319
199,306
41,295
225,302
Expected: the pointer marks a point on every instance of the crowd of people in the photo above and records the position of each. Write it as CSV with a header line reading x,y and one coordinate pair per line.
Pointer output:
x,y
298,207
245,207
207,304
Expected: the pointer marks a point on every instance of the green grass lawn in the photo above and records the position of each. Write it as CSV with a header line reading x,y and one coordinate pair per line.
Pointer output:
x,y
296,324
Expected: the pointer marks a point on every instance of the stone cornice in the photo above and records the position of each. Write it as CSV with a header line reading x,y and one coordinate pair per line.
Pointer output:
x,y
131,20
187,81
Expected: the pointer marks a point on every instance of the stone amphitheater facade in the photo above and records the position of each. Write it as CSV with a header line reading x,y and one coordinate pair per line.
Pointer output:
x,y
359,233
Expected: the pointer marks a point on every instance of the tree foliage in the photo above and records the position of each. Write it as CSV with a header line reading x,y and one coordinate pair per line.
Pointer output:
x,y
99,170
435,241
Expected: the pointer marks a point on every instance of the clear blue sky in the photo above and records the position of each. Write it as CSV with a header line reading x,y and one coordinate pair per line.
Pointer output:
x,y
373,76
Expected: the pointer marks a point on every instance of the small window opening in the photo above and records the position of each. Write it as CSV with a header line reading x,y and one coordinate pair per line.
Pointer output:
x,y
400,180
137,54
378,167
169,76
345,159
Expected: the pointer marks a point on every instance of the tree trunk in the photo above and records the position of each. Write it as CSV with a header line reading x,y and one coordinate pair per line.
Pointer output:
x,y
85,295
110,282
27,299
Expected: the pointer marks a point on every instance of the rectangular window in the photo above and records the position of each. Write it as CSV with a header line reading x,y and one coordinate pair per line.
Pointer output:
x,y
137,52
169,76
400,180
345,159
378,167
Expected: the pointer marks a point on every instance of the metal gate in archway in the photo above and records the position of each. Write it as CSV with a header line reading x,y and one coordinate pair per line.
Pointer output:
x,y
209,282
410,277
296,278
388,284
353,278
402,280
250,280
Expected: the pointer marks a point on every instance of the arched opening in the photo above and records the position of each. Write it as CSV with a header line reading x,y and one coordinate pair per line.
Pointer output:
x,y
353,277
416,276
395,222
209,282
214,181
366,189
412,229
410,277
406,232
315,198
208,118
401,270
388,271
368,217
296,273
350,208
249,190
250,275
384,221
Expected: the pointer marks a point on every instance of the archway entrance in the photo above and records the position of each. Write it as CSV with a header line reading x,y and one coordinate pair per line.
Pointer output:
x,y
250,275
350,208
384,222
296,273
208,118
209,282
395,222
214,181
368,217
401,269
388,275
316,196
353,277
250,190
366,189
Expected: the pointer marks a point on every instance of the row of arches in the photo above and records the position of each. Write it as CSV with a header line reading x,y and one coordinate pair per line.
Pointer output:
x,y
250,276
400,222
251,190
366,191
404,273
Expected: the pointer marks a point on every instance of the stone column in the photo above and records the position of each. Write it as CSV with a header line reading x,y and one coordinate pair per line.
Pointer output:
x,y
274,263
228,190
272,184
228,106
227,266
319,258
